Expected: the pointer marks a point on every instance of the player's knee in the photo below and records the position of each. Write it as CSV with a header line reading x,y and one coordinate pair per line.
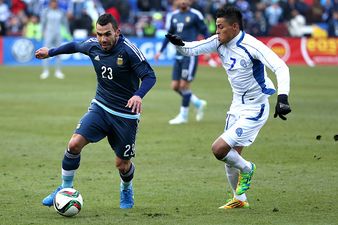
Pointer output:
x,y
175,88
218,151
122,165
74,146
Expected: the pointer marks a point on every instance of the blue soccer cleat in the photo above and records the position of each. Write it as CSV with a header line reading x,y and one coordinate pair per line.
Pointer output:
x,y
126,197
48,201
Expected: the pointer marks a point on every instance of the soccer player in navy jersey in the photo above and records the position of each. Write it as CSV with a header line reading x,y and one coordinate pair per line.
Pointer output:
x,y
245,60
188,23
115,110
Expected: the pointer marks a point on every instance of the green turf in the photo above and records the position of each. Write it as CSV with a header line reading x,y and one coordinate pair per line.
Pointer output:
x,y
177,180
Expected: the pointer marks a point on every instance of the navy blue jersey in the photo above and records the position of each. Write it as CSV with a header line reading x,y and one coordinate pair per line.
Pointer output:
x,y
118,71
188,25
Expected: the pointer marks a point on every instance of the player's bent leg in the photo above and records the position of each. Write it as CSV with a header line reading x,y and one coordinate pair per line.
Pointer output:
x,y
48,201
235,203
244,181
70,163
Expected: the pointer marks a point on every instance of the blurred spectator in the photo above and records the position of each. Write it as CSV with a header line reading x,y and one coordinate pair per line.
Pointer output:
x,y
328,10
297,24
18,7
258,25
52,21
141,22
144,5
244,7
148,28
299,5
114,12
211,23
79,20
125,10
151,5
18,17
214,5
316,12
32,29
302,8
34,7
157,20
4,16
333,25
94,9
14,26
273,13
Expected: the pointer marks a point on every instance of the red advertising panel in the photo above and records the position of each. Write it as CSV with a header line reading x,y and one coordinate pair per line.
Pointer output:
x,y
295,51
322,51
287,49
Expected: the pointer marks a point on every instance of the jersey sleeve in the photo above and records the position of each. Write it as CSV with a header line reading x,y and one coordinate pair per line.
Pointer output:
x,y
141,69
165,40
193,48
71,47
275,64
201,26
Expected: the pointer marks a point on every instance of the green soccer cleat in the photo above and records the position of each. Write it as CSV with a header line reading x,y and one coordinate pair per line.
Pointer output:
x,y
244,180
235,203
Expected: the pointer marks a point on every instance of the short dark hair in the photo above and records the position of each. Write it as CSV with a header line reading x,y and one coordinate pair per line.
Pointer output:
x,y
231,14
106,18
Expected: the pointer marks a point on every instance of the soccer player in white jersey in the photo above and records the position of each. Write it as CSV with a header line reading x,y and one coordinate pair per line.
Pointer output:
x,y
244,58
52,21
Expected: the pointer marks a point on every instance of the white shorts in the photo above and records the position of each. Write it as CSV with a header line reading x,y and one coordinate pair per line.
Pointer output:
x,y
242,128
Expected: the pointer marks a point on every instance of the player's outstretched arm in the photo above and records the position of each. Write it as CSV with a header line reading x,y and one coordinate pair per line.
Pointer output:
x,y
67,48
174,39
42,53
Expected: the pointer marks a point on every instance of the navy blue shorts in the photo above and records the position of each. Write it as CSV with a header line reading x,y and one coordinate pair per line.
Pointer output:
x,y
185,68
97,124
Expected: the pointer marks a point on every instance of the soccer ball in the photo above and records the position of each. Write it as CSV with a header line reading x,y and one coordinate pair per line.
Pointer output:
x,y
68,202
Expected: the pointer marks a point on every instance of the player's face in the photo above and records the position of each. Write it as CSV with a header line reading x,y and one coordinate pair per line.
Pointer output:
x,y
107,36
225,31
183,4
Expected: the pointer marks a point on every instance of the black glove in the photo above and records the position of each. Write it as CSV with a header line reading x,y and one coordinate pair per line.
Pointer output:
x,y
282,107
174,39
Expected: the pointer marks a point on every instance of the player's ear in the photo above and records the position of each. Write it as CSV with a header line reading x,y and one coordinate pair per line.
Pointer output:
x,y
235,26
118,31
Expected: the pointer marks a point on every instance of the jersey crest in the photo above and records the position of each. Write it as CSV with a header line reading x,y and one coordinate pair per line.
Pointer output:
x,y
243,63
119,60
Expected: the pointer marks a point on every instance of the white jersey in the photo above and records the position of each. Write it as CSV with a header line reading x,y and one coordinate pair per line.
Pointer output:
x,y
244,58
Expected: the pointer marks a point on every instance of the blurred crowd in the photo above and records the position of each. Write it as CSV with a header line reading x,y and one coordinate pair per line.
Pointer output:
x,y
147,18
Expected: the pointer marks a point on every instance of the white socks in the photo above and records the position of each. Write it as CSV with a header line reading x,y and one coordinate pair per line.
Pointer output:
x,y
236,160
232,175
184,111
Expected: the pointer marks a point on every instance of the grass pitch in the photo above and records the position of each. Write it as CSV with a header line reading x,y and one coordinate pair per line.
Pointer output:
x,y
177,180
